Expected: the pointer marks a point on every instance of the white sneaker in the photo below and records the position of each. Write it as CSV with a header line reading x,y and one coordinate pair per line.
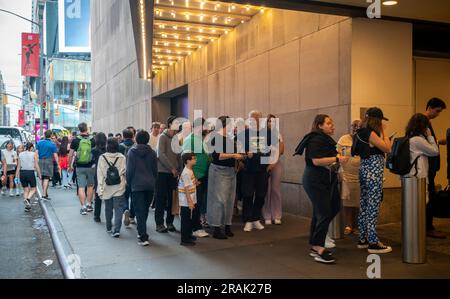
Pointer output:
x,y
328,239
258,225
277,221
200,233
268,222
17,192
3,192
248,227
11,193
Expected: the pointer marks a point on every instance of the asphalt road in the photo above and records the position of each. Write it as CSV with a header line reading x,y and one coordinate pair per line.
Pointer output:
x,y
25,242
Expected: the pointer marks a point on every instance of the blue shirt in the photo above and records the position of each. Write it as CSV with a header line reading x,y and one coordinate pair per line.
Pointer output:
x,y
46,148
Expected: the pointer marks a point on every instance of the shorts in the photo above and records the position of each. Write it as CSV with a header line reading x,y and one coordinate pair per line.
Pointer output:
x,y
11,172
46,166
28,178
85,177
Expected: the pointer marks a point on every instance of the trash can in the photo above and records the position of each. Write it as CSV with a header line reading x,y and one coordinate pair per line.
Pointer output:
x,y
414,194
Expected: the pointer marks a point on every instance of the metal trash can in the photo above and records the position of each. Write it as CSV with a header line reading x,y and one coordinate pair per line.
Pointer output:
x,y
414,194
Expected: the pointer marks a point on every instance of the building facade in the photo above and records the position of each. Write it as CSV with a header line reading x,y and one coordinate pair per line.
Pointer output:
x,y
294,63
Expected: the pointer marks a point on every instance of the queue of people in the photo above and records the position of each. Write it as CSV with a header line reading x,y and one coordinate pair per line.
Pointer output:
x,y
201,175
356,163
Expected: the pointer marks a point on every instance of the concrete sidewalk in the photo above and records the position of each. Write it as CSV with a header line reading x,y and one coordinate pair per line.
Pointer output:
x,y
275,252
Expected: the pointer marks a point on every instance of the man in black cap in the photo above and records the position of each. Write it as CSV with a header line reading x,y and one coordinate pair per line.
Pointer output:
x,y
434,107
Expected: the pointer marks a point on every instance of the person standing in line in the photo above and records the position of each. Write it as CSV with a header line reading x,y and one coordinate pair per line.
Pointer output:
x,y
162,128
127,143
222,179
187,195
97,151
141,172
28,164
350,192
47,151
9,159
255,173
422,145
372,144
321,183
154,136
434,108
83,146
169,167
119,138
194,144
272,209
111,184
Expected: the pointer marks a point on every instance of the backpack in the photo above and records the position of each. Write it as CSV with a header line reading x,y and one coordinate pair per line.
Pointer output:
x,y
84,152
112,174
399,160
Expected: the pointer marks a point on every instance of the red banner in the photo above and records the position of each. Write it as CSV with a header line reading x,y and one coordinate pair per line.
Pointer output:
x,y
21,121
30,54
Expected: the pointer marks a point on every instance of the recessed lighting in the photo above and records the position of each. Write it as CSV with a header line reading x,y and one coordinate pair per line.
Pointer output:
x,y
390,3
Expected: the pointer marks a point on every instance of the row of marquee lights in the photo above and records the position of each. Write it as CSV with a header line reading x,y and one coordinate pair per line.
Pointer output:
x,y
172,42
181,28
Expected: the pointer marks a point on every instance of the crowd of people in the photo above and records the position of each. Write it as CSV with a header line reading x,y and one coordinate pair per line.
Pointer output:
x,y
356,164
202,171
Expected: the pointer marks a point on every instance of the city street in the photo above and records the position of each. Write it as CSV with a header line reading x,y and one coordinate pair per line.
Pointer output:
x,y
275,252
25,242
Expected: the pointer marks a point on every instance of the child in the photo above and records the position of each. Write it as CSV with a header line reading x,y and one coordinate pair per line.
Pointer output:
x,y
187,198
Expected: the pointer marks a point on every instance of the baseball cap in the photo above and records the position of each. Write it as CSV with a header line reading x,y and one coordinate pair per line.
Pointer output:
x,y
376,113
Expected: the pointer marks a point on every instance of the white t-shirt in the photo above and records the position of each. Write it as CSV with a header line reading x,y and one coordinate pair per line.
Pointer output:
x,y
187,179
154,142
10,157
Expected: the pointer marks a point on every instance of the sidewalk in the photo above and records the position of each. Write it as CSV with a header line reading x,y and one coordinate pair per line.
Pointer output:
x,y
275,252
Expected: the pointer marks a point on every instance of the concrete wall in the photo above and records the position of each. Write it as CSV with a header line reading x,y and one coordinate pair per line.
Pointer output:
x,y
119,97
382,74
292,64
432,80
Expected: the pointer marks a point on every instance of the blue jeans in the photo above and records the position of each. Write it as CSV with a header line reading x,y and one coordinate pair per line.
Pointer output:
x,y
118,205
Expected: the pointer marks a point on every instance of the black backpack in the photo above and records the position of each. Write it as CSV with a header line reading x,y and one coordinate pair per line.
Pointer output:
x,y
112,174
399,160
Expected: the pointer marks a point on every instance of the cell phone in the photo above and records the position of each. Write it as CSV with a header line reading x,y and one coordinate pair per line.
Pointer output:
x,y
392,136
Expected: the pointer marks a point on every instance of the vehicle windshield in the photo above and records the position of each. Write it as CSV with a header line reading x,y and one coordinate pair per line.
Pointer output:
x,y
14,133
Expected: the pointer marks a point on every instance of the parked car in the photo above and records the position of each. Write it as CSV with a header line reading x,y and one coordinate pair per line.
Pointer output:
x,y
17,134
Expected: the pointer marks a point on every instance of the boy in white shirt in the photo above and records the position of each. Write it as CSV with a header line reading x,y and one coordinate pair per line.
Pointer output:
x,y
187,196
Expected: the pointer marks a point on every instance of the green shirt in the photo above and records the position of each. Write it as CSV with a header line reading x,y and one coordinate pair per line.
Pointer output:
x,y
194,143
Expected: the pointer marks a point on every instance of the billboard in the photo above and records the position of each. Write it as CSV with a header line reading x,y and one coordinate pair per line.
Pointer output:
x,y
37,128
30,54
74,26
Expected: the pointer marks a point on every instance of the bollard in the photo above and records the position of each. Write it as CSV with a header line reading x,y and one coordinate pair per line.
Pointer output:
x,y
414,194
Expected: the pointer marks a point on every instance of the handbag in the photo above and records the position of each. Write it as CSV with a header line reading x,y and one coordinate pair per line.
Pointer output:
x,y
441,203
175,203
